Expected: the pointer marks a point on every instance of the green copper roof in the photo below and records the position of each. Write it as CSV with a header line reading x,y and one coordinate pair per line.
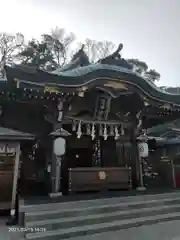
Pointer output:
x,y
162,129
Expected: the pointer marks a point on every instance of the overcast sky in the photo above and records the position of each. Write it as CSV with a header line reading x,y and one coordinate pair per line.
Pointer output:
x,y
149,29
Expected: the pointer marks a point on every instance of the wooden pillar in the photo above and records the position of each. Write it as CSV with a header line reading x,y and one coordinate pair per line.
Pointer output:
x,y
15,179
15,186
134,156
55,170
134,163
139,170
173,174
58,174
53,164
141,186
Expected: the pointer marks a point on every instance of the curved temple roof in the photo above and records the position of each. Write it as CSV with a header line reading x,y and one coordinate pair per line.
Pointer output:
x,y
10,134
111,73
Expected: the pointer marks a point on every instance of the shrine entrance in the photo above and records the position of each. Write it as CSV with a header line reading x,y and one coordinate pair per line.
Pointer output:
x,y
78,155
79,152
87,160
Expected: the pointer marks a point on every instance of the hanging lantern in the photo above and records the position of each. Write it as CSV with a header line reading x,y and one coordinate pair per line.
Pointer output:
x,y
143,137
88,129
116,133
105,132
143,149
59,146
79,132
93,132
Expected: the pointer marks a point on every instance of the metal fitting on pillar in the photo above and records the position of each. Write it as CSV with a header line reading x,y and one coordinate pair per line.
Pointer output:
x,y
60,111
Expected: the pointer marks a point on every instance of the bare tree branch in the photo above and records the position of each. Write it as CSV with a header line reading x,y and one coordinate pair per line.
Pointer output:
x,y
9,46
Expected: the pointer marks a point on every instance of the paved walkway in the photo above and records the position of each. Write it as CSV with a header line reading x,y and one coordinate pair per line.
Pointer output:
x,y
161,231
5,233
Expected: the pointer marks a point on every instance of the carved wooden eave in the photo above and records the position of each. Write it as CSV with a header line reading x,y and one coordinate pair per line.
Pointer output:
x,y
110,77
116,85
91,121
167,106
113,75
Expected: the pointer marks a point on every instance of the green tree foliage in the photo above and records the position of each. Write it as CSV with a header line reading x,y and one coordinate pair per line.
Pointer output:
x,y
60,42
36,54
55,50
49,53
142,68
153,75
140,65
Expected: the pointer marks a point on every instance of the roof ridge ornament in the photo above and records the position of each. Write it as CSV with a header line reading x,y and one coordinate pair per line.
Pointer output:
x,y
80,54
116,59
79,59
117,52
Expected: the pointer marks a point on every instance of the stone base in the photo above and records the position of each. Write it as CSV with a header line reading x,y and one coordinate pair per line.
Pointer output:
x,y
141,188
54,195
12,221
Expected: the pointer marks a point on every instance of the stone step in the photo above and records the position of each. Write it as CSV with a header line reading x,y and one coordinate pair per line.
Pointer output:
x,y
97,202
73,219
64,223
101,227
97,209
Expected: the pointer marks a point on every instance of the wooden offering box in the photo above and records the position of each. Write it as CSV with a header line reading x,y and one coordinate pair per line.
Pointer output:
x,y
99,179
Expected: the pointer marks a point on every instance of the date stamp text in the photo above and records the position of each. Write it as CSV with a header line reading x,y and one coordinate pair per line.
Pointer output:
x,y
27,229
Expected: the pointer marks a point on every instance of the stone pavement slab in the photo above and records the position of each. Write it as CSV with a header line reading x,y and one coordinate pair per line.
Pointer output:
x,y
160,231
5,234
